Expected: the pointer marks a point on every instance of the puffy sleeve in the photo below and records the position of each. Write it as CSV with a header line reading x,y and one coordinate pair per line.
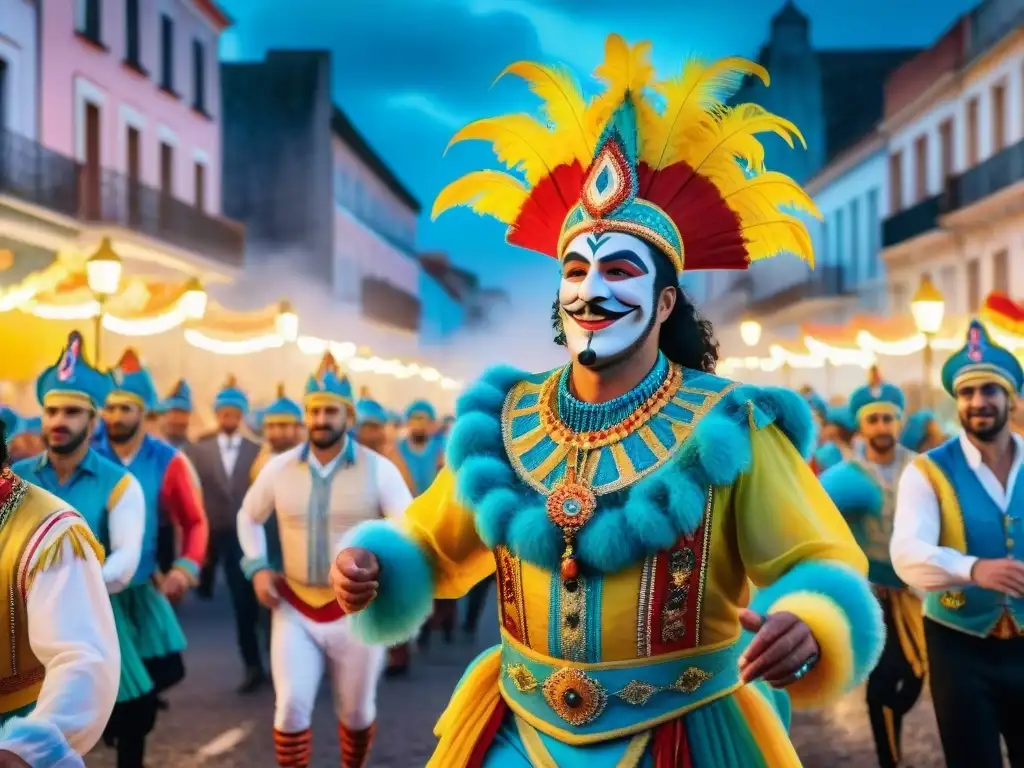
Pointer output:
x,y
433,551
799,552
180,496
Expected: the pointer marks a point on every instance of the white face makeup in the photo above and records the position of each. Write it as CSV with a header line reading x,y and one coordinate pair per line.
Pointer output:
x,y
606,296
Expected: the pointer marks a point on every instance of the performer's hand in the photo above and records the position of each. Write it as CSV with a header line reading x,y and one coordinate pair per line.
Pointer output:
x,y
782,650
11,760
1006,576
263,585
174,585
354,578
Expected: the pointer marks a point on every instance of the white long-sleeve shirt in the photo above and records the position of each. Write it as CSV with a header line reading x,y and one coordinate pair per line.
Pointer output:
x,y
71,631
284,485
916,554
126,525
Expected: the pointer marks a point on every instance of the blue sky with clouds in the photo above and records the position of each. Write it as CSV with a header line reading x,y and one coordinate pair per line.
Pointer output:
x,y
410,72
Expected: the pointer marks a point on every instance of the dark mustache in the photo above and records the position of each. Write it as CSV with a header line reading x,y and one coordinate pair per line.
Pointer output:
x,y
602,311
982,412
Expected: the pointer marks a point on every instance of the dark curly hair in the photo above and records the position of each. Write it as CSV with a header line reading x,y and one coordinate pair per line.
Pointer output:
x,y
4,455
687,337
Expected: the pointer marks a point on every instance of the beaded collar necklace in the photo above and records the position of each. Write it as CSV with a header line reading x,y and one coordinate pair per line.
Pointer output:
x,y
572,503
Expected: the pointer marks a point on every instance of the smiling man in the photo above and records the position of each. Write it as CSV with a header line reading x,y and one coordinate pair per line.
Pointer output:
x,y
958,537
629,498
864,489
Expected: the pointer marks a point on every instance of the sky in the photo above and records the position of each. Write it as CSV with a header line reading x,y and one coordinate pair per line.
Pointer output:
x,y
409,73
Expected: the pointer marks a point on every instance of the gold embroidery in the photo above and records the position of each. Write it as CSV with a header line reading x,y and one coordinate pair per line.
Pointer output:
x,y
575,696
521,677
573,631
954,599
673,612
637,692
705,554
692,679
645,607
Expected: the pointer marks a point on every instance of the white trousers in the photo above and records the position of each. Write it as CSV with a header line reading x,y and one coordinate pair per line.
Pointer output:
x,y
300,649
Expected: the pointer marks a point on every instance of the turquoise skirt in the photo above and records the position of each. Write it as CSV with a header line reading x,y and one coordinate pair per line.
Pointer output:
x,y
154,627
135,680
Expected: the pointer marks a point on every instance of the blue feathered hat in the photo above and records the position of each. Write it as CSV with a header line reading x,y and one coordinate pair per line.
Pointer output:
x,y
815,401
915,430
180,398
230,396
132,383
329,385
283,410
371,412
71,380
982,361
420,408
841,416
877,396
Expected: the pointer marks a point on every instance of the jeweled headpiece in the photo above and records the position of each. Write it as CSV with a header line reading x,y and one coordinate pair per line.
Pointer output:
x,y
982,361
667,161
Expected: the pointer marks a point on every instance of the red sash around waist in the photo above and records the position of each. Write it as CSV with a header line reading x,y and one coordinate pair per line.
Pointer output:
x,y
320,614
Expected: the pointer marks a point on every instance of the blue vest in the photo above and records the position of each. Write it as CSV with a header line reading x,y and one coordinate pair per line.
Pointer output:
x,y
88,490
149,466
423,463
990,534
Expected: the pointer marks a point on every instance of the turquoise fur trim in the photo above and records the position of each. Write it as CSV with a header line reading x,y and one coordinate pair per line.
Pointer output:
x,y
841,416
405,598
252,566
852,490
851,592
663,506
42,743
827,456
915,430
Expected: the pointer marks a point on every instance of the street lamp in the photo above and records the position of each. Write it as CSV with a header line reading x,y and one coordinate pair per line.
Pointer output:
x,y
287,323
928,308
103,273
750,332
194,299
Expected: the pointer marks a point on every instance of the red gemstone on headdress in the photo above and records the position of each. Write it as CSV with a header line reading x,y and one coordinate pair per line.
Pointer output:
x,y
570,569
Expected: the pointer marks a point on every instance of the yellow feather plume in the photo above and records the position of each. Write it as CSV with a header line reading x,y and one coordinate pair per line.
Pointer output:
x,y
689,98
520,142
625,69
489,193
564,106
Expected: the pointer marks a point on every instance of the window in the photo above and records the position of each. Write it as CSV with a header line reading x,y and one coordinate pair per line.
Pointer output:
x,y
131,33
198,77
973,286
166,168
3,95
972,132
854,262
1001,271
998,118
920,168
874,234
89,21
895,182
200,188
839,254
825,245
945,152
166,53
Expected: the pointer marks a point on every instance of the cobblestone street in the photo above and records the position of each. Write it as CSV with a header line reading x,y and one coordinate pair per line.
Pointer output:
x,y
210,726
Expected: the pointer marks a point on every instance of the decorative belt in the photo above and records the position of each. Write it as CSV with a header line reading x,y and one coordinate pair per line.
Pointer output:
x,y
586,703
321,614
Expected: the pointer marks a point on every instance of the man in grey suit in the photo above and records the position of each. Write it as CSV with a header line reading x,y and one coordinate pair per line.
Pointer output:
x,y
223,462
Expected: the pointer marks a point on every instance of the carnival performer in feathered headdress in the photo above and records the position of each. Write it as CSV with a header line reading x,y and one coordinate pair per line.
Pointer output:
x,y
319,489
628,498
863,487
957,537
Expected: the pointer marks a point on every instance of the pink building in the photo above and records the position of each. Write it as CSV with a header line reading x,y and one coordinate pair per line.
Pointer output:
x,y
131,90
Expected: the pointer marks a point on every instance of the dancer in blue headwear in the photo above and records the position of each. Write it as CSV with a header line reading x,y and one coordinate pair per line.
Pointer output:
x,y
863,487
958,536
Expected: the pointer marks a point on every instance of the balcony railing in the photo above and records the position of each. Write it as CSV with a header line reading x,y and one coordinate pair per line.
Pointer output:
x,y
990,22
387,304
823,282
912,221
40,176
1000,171
34,174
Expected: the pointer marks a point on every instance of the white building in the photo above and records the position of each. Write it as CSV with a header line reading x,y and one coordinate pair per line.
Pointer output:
x,y
955,118
19,70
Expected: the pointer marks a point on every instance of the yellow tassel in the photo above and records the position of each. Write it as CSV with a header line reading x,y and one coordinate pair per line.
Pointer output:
x,y
52,555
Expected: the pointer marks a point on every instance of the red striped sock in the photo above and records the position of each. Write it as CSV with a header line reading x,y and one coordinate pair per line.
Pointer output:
x,y
292,750
355,746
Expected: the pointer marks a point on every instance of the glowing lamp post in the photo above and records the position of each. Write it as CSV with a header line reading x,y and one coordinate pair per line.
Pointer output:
x,y
103,273
287,323
928,308
194,299
750,332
